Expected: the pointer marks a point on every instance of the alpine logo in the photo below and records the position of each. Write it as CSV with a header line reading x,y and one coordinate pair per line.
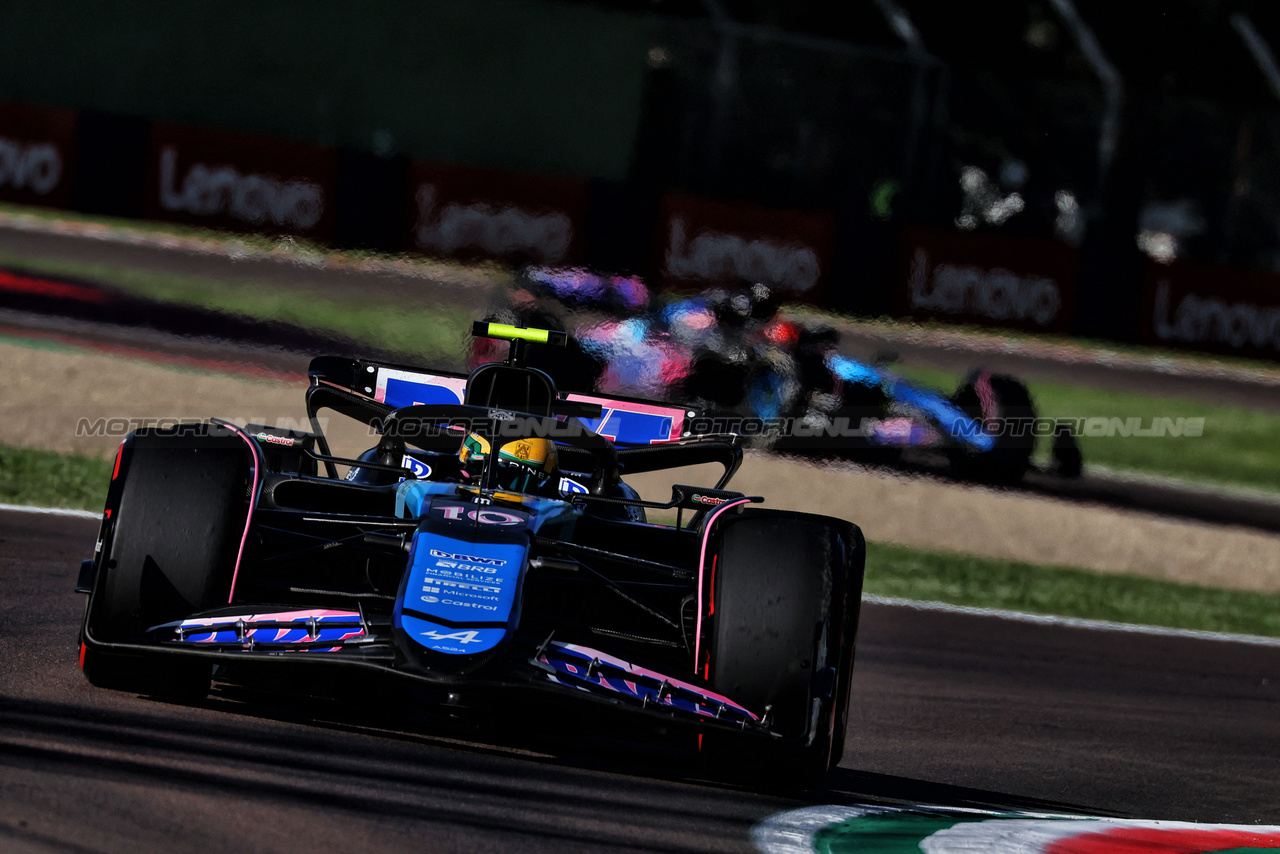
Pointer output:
x,y
488,561
460,637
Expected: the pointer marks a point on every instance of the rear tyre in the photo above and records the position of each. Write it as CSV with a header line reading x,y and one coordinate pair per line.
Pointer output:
x,y
784,605
1067,460
1004,401
171,548
717,380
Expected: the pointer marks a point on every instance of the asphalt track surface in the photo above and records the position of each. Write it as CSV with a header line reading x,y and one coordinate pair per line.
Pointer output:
x,y
950,709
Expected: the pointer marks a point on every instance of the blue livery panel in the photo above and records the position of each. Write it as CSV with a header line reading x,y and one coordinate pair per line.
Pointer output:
x,y
631,428
456,591
953,420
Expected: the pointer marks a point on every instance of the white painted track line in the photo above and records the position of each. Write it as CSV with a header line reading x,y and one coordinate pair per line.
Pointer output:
x,y
1071,622
50,511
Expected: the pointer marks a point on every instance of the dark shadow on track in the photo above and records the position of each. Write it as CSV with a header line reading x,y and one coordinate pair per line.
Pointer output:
x,y
464,791
151,745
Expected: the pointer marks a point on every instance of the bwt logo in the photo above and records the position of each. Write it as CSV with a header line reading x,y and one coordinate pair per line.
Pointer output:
x,y
479,559
33,166
994,294
714,255
496,230
223,190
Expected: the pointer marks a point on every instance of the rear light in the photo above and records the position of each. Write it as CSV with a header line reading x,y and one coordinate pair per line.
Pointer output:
x,y
784,333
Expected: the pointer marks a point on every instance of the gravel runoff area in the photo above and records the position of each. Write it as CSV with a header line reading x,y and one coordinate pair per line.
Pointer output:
x,y
58,397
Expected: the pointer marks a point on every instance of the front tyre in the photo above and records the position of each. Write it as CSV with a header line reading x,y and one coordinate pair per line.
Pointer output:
x,y
783,602
177,517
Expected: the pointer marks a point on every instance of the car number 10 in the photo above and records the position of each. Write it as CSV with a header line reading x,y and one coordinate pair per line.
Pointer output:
x,y
484,517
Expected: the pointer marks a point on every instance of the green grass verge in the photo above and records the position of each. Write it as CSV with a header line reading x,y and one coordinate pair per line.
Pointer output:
x,y
434,335
48,479
1238,447
169,231
1061,591
1064,344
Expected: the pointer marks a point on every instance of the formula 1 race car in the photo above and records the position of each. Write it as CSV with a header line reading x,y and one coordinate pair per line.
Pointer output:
x,y
987,429
731,356
489,548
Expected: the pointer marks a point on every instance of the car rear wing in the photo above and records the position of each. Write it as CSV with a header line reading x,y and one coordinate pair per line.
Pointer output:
x,y
628,422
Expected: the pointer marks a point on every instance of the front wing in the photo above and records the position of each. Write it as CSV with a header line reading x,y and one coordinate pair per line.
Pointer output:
x,y
350,638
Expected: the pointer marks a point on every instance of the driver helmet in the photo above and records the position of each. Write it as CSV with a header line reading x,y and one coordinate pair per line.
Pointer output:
x,y
523,465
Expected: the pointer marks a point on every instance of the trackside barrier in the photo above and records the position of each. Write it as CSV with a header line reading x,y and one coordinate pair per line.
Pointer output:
x,y
37,154
126,166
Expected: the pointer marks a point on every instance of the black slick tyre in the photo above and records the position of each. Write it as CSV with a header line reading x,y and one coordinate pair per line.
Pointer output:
x,y
783,606
1002,404
176,521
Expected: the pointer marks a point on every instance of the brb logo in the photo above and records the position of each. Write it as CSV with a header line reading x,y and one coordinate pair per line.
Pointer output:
x,y
222,190
32,166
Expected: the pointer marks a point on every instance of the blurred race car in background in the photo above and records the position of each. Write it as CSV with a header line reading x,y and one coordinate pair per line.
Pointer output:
x,y
489,551
730,355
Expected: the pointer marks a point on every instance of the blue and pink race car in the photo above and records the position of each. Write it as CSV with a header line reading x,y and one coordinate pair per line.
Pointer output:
x,y
487,548
740,366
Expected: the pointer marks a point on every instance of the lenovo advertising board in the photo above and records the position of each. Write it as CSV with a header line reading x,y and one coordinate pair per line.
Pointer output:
x,y
702,243
475,214
988,279
37,154
1216,309
235,181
